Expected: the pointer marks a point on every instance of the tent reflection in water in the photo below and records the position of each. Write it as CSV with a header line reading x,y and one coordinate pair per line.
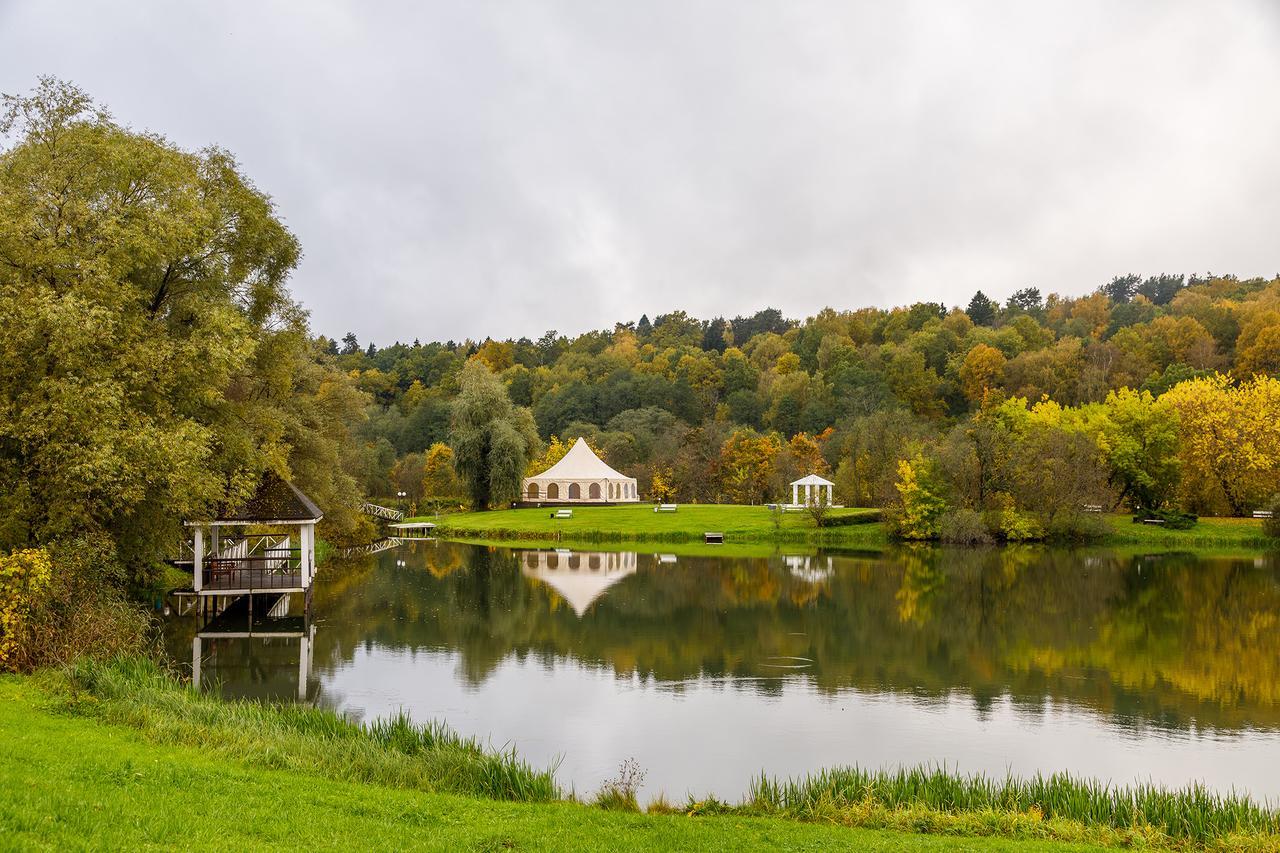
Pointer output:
x,y
580,477
578,577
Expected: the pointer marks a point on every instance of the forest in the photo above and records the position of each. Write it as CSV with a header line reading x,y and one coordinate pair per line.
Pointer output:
x,y
996,419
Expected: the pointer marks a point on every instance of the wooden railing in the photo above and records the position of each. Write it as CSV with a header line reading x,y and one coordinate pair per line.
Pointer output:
x,y
272,568
381,512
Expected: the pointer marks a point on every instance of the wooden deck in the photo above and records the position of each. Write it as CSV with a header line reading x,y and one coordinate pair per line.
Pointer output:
x,y
224,582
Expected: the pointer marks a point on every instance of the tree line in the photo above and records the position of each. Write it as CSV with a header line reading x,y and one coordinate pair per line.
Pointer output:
x,y
1156,394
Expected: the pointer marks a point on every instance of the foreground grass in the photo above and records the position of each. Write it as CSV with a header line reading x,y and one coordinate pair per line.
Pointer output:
x,y
69,779
119,754
639,523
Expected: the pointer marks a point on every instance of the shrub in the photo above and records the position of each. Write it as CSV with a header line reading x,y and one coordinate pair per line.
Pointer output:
x,y
79,610
1172,518
1018,526
1271,526
963,527
24,578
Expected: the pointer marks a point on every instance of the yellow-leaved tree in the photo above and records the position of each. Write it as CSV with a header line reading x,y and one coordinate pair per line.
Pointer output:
x,y
1229,441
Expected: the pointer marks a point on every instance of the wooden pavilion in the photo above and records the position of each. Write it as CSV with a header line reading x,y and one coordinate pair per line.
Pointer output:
x,y
268,545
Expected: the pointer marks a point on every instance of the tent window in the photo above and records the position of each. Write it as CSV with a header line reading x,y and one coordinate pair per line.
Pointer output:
x,y
575,492
533,491
553,492
593,491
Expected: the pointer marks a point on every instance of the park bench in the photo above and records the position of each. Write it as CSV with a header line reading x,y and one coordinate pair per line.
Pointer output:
x,y
562,513
713,538
1092,507
1153,521
1263,513
666,508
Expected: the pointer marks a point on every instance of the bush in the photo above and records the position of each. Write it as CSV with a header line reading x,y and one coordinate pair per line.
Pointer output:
x,y
963,527
1172,518
1020,526
24,577
78,608
1271,526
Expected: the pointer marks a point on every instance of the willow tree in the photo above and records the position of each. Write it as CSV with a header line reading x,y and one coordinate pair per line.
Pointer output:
x,y
492,438
149,341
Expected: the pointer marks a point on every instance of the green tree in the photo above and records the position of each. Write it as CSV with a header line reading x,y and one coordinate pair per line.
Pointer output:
x,y
492,438
153,363
982,309
1140,439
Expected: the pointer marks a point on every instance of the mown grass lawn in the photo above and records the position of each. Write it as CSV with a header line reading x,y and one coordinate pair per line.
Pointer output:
x,y
1208,534
639,522
70,781
746,525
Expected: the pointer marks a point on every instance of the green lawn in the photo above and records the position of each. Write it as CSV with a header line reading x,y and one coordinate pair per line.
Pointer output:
x,y
746,526
72,781
640,523
1208,534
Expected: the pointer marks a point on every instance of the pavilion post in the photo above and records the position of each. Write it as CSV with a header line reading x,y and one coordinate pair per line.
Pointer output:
x,y
196,651
197,559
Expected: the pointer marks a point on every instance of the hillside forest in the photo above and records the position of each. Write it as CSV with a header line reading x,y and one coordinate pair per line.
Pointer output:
x,y
1152,393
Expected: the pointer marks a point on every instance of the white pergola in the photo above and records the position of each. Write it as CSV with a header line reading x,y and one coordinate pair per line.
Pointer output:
x,y
810,488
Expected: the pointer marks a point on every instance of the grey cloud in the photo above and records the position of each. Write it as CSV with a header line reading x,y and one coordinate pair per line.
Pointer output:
x,y
465,169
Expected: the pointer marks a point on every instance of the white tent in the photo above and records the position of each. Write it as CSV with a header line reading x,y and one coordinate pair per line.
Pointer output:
x,y
580,477
579,578
811,487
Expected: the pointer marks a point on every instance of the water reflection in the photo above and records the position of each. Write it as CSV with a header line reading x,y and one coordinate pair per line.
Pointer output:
x,y
578,577
708,669
265,657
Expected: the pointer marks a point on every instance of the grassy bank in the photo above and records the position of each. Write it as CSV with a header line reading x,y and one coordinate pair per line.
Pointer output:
x,y
72,778
754,525
639,523
1208,534
121,756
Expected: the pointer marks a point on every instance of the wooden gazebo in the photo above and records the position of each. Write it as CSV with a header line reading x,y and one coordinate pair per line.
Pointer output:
x,y
266,545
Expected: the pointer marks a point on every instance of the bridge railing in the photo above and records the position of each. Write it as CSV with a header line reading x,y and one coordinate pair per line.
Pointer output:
x,y
381,512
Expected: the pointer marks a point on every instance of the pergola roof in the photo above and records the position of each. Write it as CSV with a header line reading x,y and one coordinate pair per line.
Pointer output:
x,y
580,463
812,480
275,500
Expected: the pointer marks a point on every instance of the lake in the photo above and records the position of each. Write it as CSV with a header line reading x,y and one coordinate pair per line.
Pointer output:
x,y
707,669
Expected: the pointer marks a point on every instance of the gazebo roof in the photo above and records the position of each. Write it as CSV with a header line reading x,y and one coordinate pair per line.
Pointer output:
x,y
580,463
275,500
812,480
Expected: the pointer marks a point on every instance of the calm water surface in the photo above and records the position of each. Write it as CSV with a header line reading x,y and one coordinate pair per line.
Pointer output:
x,y
707,670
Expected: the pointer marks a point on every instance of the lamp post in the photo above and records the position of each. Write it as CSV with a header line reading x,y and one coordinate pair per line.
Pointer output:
x,y
401,496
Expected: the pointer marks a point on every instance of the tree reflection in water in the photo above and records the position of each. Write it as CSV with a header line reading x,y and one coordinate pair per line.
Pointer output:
x,y
1147,640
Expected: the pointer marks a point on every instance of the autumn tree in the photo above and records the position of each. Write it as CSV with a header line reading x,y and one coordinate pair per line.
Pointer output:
x,y
747,463
439,479
1229,440
981,371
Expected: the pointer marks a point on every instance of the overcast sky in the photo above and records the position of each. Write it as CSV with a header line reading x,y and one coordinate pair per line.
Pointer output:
x,y
471,169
